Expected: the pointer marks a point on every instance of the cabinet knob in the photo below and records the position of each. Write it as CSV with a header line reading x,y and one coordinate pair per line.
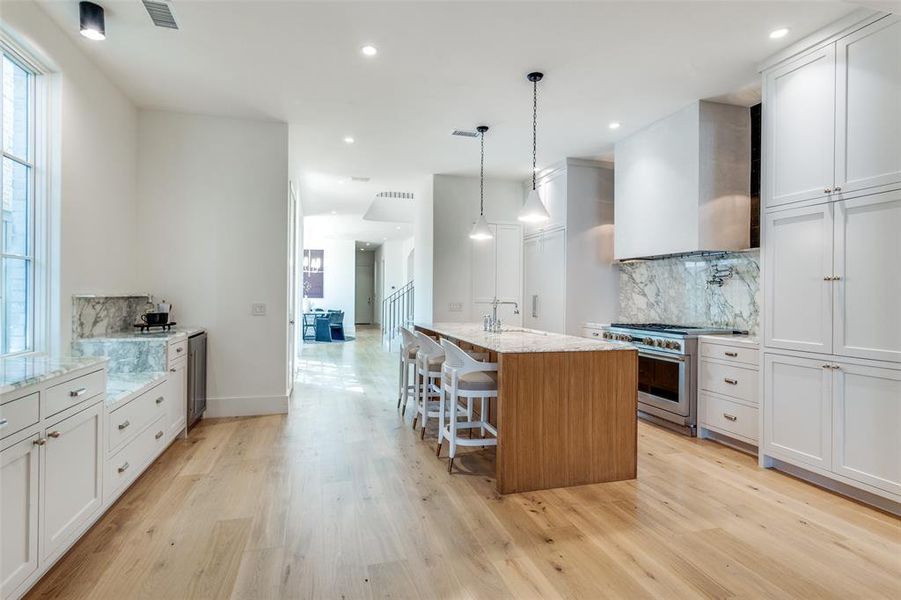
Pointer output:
x,y
159,400
834,367
3,423
730,417
837,189
159,434
54,434
39,441
827,190
124,425
172,370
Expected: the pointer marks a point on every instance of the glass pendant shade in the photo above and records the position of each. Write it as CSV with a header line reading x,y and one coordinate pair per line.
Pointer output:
x,y
534,211
481,231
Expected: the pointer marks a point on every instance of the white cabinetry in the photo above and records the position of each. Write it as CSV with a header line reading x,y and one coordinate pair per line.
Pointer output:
x,y
728,394
72,490
497,272
545,282
832,122
798,409
19,468
177,398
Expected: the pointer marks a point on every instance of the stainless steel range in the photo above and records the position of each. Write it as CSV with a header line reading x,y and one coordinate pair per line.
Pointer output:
x,y
667,370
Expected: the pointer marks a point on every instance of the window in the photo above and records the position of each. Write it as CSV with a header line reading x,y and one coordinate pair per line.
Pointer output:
x,y
18,289
313,273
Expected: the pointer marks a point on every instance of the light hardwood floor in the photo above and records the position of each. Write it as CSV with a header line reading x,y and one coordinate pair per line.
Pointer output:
x,y
340,499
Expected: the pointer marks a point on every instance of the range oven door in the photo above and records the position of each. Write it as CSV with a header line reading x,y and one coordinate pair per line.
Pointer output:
x,y
664,382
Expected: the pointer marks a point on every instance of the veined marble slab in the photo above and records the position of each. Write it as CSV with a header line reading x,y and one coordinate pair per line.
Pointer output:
x,y
518,340
126,354
17,372
675,290
94,315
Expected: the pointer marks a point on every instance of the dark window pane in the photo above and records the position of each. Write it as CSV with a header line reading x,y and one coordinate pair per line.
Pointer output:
x,y
16,292
16,227
15,109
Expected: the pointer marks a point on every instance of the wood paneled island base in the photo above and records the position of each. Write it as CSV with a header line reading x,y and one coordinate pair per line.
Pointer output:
x,y
567,407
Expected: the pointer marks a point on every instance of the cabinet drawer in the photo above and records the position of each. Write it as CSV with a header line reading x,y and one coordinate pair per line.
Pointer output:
x,y
60,397
18,414
177,350
127,421
729,417
125,466
729,353
729,380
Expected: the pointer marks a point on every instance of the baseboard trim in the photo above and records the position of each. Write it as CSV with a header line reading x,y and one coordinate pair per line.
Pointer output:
x,y
246,406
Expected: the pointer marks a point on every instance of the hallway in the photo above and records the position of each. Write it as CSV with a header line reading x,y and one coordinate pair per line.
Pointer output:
x,y
340,499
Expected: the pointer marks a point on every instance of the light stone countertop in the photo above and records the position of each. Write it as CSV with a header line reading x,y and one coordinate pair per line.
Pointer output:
x,y
17,372
518,340
120,386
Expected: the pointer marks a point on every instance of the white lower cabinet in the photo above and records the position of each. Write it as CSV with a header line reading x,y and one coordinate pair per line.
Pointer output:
x,y
838,417
128,463
19,468
867,425
798,409
177,398
72,476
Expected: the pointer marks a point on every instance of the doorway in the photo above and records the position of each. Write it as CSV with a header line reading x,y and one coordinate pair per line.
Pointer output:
x,y
364,286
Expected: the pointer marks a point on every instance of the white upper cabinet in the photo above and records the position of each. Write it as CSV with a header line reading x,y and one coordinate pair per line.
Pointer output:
x,y
868,265
798,302
798,410
682,184
868,107
497,271
866,422
799,114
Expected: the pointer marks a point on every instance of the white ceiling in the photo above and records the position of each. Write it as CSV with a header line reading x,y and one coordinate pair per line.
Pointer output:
x,y
440,66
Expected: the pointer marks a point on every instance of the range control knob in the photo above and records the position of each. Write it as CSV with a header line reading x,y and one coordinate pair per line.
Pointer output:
x,y
647,341
658,343
676,345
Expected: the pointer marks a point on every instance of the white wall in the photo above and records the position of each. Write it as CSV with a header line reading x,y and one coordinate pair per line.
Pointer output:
x,y
94,188
213,239
340,272
392,256
456,208
424,235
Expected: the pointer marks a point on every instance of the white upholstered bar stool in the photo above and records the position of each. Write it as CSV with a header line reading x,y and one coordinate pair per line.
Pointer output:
x,y
464,378
408,348
429,359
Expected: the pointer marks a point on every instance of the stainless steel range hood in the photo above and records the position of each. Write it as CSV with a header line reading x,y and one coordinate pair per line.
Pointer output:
x,y
682,184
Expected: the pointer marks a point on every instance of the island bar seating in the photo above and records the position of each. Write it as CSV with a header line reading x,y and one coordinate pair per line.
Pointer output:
x,y
463,377
566,406
429,359
408,349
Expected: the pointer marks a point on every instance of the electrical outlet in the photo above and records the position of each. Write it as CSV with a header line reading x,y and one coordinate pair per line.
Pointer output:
x,y
455,307
258,309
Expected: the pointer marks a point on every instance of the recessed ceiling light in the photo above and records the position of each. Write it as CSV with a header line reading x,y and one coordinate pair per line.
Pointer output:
x,y
369,50
614,125
348,140
778,33
92,24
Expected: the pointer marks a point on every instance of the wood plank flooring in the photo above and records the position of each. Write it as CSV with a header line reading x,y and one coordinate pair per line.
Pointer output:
x,y
340,499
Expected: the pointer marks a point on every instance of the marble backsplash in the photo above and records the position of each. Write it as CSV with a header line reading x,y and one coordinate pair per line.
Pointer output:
x,y
95,316
139,355
676,290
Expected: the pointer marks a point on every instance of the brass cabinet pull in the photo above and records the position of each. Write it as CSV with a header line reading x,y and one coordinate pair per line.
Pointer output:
x,y
123,467
124,425
837,189
827,190
54,434
732,354
730,417
78,392
39,441
159,400
834,367
172,370
159,434
731,381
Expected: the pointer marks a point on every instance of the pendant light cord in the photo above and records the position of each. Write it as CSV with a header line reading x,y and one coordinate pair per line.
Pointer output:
x,y
482,178
534,128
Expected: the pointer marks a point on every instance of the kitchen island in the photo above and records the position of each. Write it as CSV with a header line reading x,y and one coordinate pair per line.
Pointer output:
x,y
566,407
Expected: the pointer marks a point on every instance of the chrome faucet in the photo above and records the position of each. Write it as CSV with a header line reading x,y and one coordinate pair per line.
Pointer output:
x,y
491,322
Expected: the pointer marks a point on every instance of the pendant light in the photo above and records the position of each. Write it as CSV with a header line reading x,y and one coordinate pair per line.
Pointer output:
x,y
481,231
534,211
91,22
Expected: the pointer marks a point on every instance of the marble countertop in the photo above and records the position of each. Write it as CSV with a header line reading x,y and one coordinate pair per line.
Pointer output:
x,y
21,371
517,340
178,331
120,386
735,338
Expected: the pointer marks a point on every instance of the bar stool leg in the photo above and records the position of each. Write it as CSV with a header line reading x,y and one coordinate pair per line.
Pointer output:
x,y
401,382
452,426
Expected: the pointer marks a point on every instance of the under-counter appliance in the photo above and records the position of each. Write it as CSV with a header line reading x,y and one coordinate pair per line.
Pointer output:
x,y
196,377
667,370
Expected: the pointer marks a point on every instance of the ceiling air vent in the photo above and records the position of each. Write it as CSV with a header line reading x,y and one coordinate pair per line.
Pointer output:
x,y
160,14
464,133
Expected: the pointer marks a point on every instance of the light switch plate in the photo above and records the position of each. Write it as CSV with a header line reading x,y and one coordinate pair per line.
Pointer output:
x,y
258,309
455,307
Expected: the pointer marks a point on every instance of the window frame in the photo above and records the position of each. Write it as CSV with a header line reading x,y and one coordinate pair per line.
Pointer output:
x,y
39,185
